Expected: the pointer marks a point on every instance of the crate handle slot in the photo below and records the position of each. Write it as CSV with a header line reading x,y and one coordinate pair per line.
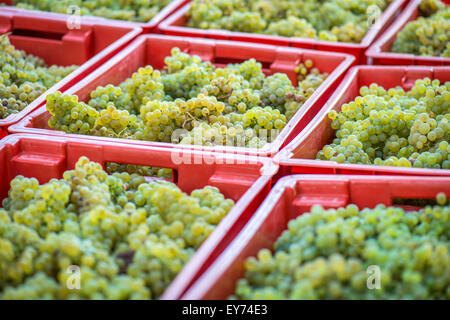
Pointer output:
x,y
183,163
402,189
149,178
413,202
225,61
38,34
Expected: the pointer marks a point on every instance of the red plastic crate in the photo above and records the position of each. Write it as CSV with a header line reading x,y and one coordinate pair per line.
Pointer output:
x,y
246,180
380,53
152,49
147,27
296,157
50,39
293,196
175,25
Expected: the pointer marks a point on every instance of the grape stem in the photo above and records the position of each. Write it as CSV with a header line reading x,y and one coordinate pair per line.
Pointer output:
x,y
225,96
191,119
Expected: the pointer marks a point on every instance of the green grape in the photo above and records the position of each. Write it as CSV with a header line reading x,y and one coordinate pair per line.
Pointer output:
x,y
129,237
191,102
393,127
441,198
330,20
134,10
328,253
429,35
23,78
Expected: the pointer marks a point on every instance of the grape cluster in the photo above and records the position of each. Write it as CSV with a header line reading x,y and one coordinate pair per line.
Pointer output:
x,y
130,10
23,78
393,127
190,102
429,35
73,116
330,20
128,237
331,254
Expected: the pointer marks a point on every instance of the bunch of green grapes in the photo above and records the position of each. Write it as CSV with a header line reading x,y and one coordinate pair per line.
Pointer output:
x,y
130,10
429,35
73,116
112,122
128,238
23,78
191,102
335,253
394,127
330,20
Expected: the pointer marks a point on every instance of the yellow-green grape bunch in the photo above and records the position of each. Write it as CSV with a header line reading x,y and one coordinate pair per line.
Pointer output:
x,y
133,10
191,102
335,254
429,35
292,27
330,20
69,115
102,96
146,171
23,78
121,236
113,122
393,127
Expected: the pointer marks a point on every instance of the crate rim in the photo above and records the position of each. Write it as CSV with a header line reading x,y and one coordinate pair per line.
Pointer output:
x,y
265,162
